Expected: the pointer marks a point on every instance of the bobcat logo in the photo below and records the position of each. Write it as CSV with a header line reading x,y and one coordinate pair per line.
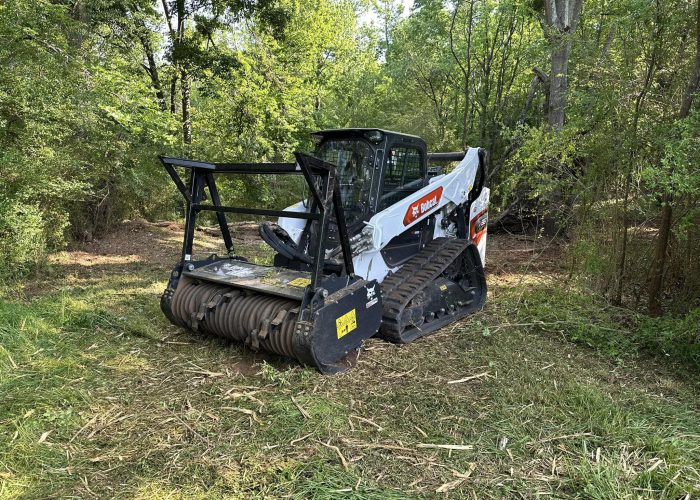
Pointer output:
x,y
423,206
371,293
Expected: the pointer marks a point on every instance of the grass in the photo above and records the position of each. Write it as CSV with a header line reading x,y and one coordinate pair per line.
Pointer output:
x,y
102,397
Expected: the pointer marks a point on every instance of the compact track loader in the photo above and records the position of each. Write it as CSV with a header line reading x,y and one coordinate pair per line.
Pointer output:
x,y
382,243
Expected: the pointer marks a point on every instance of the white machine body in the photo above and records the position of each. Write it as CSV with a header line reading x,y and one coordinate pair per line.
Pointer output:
x,y
440,198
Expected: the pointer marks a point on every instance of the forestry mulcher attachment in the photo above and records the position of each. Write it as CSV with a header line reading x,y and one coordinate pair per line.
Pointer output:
x,y
382,244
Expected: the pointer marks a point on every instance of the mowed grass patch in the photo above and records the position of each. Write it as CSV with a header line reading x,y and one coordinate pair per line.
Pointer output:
x,y
102,397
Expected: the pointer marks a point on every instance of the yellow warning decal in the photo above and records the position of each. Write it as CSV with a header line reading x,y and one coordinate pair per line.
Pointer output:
x,y
346,323
443,287
300,282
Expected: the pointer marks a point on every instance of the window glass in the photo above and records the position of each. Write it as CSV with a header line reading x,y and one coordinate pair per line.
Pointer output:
x,y
353,159
403,175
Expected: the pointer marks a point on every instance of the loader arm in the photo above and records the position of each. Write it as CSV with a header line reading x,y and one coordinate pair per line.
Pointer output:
x,y
439,198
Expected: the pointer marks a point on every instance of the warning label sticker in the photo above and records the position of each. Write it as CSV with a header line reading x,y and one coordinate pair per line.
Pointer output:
x,y
300,282
346,323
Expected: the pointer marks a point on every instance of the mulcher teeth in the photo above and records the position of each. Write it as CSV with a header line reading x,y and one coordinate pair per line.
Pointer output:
x,y
326,335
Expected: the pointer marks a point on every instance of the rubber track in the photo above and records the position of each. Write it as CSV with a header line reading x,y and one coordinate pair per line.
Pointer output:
x,y
418,273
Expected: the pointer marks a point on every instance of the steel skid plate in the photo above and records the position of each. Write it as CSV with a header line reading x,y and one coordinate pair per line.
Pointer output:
x,y
277,281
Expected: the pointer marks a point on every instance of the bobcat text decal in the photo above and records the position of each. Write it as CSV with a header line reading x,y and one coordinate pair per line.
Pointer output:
x,y
422,206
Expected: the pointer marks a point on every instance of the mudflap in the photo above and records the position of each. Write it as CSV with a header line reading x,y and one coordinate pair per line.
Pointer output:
x,y
331,337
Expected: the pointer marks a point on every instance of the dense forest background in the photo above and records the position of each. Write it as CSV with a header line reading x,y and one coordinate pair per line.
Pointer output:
x,y
587,108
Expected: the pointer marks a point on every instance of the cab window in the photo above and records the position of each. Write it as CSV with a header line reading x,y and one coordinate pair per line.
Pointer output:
x,y
353,159
403,175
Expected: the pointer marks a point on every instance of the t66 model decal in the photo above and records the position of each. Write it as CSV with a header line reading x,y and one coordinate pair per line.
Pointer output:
x,y
422,206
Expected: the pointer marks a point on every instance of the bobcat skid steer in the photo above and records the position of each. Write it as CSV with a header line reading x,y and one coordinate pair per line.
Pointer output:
x,y
382,244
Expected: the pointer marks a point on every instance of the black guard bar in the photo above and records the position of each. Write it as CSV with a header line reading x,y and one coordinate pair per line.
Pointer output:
x,y
452,156
325,194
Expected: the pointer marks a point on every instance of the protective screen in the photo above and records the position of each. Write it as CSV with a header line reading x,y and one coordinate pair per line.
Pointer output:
x,y
353,159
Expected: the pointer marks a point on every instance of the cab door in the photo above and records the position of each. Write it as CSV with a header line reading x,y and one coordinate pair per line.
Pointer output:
x,y
403,174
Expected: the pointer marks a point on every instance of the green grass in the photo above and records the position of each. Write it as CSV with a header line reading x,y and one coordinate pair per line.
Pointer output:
x,y
102,397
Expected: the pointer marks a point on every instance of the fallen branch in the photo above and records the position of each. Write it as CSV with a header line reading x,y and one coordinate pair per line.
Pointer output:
x,y
462,447
337,450
566,436
295,441
467,379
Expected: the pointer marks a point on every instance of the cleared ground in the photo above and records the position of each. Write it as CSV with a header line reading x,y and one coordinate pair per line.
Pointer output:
x,y
100,396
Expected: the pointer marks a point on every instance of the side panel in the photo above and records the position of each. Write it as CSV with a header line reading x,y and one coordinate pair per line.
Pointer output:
x,y
478,223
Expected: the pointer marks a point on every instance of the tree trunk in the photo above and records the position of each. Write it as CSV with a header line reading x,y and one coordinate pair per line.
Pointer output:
x,y
657,269
561,19
173,94
621,262
152,69
466,71
185,81
558,85
185,86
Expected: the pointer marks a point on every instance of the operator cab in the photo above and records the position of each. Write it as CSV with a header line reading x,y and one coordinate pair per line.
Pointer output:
x,y
376,169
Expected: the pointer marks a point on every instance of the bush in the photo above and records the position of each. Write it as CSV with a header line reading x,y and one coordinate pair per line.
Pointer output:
x,y
22,237
676,336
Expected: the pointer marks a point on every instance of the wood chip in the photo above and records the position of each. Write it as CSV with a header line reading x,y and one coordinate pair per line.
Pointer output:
x,y
206,373
245,411
460,479
44,436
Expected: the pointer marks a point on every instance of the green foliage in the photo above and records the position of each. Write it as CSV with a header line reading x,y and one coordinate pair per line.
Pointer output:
x,y
677,337
575,313
678,171
78,131
22,237
91,94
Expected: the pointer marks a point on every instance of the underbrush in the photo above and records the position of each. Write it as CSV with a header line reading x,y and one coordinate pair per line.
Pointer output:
x,y
677,337
581,316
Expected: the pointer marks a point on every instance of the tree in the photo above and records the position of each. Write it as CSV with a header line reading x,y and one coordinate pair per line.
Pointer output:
x,y
561,19
661,250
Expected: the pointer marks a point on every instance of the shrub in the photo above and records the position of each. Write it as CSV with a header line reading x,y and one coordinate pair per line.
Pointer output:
x,y
22,237
676,336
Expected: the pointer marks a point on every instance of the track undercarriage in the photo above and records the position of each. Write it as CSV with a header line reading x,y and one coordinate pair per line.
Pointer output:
x,y
439,285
